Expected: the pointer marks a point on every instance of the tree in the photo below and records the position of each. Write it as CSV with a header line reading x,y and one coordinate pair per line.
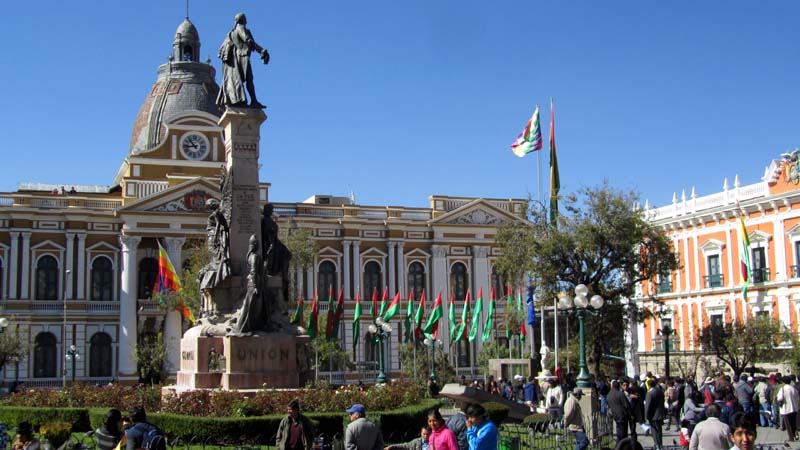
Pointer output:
x,y
741,344
445,372
11,349
304,248
189,295
150,354
490,350
605,244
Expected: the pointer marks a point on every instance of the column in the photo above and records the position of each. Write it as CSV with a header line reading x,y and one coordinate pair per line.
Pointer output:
x,y
173,322
401,264
12,265
68,264
26,266
127,307
438,274
82,266
780,268
357,266
698,281
729,253
392,273
310,281
687,271
298,282
346,271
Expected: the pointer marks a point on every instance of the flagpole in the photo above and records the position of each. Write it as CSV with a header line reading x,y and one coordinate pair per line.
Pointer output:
x,y
555,331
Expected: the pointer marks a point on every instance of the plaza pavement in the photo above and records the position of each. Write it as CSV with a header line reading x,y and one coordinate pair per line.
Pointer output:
x,y
767,436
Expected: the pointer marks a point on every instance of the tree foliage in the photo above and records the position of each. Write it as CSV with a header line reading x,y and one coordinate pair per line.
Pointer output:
x,y
605,244
299,241
490,350
742,343
151,352
197,257
11,348
516,254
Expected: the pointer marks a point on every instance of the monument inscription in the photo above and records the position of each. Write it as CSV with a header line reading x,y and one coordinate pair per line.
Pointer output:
x,y
246,198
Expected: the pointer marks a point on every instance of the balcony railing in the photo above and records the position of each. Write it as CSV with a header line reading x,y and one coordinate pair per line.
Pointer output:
x,y
44,307
760,275
665,287
714,281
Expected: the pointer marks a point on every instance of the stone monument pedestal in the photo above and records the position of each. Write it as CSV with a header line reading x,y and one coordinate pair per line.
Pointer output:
x,y
590,406
273,360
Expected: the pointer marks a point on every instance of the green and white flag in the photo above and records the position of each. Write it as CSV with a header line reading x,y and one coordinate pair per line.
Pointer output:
x,y
487,329
464,315
451,315
357,322
476,316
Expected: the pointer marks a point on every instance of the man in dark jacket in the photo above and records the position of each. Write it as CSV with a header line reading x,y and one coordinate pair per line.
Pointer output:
x,y
136,433
295,432
457,423
620,409
654,411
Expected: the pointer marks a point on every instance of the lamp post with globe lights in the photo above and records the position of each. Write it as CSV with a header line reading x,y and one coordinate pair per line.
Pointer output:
x,y
666,332
581,305
74,356
432,343
380,331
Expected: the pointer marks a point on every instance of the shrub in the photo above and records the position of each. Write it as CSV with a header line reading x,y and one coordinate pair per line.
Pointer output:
x,y
56,433
538,422
403,424
88,396
496,412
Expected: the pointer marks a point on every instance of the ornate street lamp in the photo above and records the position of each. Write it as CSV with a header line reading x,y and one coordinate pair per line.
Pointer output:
x,y
666,331
432,343
580,305
380,331
74,356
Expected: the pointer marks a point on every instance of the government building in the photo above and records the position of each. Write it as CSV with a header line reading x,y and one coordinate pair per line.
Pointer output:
x,y
707,289
78,263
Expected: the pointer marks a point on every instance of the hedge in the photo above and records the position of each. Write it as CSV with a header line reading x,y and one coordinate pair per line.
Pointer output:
x,y
78,417
496,412
400,425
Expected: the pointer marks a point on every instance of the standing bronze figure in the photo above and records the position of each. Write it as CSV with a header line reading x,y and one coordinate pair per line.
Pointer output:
x,y
237,74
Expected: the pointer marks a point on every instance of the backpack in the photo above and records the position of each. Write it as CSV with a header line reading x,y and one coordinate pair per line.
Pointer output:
x,y
154,439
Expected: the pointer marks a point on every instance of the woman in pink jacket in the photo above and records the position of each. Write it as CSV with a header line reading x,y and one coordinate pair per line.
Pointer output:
x,y
442,438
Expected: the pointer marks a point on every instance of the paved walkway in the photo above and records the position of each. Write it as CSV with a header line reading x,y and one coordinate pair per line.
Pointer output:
x,y
766,436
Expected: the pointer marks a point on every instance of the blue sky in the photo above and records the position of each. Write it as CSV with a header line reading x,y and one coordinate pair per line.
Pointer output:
x,y
400,100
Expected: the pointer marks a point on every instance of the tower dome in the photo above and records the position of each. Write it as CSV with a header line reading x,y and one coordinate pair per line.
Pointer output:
x,y
183,84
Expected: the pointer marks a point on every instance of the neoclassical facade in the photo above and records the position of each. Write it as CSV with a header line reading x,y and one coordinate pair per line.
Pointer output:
x,y
708,286
77,263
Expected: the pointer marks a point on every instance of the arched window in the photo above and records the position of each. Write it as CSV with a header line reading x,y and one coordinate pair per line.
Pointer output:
x,y
100,355
458,280
372,279
462,352
416,279
102,279
148,271
499,284
47,278
44,356
326,279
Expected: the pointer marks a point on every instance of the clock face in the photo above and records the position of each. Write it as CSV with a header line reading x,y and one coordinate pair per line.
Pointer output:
x,y
194,146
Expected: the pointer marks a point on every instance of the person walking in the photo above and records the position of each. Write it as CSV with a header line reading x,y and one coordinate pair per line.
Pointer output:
x,y
693,413
711,434
442,438
573,419
620,409
655,413
789,403
361,434
295,432
457,423
481,432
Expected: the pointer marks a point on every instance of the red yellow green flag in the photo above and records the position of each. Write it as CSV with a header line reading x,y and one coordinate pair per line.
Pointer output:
x,y
744,255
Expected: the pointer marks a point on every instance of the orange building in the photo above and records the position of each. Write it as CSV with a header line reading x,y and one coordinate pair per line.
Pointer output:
x,y
707,287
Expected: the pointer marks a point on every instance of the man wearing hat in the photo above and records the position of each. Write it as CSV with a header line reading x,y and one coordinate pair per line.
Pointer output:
x,y
361,434
295,431
573,419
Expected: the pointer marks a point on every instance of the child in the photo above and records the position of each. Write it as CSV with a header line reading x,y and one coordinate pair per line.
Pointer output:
x,y
685,436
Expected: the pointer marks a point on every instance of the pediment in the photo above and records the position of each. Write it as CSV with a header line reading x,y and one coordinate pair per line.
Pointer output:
x,y
477,212
187,197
